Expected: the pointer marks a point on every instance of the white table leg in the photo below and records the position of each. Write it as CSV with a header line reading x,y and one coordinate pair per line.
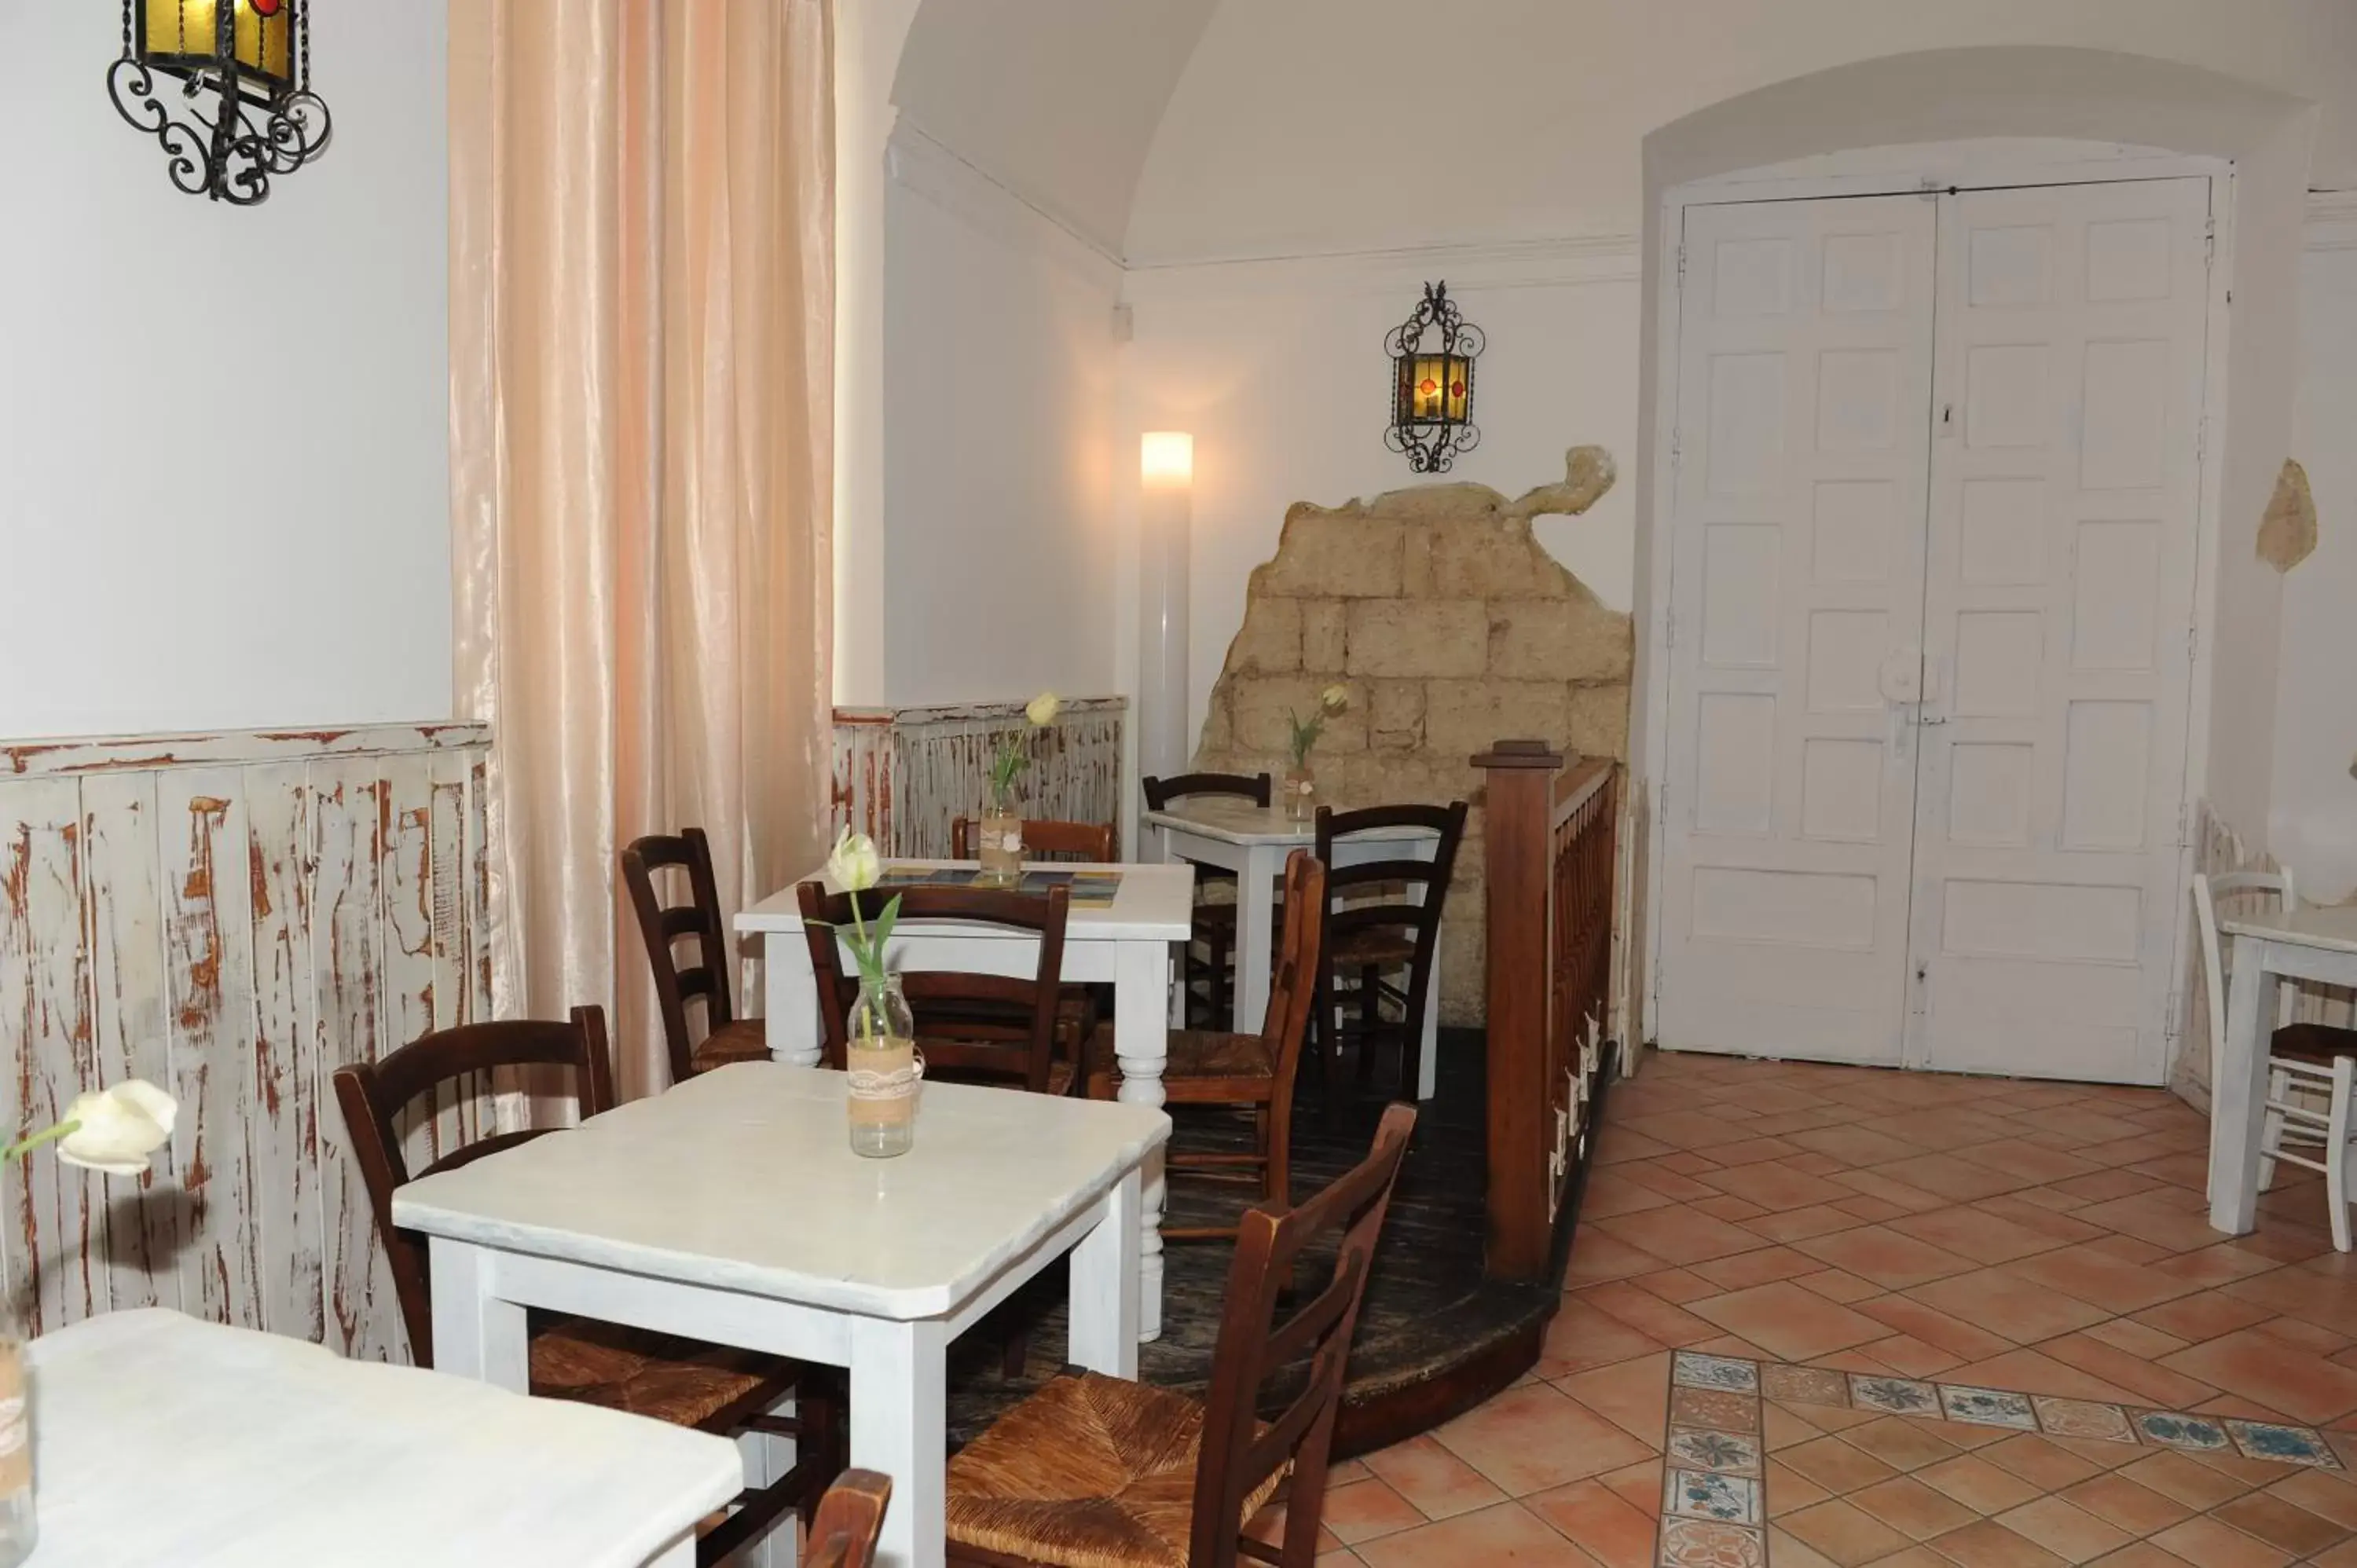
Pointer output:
x,y
1255,933
1166,843
2238,1100
767,1456
475,1335
1105,1293
1142,1039
900,1425
789,1000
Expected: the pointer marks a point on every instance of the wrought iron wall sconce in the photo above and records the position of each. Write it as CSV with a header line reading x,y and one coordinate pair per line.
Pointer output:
x,y
1432,384
248,110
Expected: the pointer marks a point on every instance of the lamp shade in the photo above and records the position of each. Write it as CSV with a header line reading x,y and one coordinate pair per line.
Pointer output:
x,y
183,36
1166,458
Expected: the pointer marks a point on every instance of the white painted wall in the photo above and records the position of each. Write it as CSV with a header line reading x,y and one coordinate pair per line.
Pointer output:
x,y
1278,369
2313,825
999,356
1319,126
224,485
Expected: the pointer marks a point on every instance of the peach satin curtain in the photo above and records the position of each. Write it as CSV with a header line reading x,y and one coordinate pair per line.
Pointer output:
x,y
641,241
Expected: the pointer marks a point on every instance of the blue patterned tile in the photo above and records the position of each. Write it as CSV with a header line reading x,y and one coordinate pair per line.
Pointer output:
x,y
1694,1370
1897,1396
2195,1434
2286,1444
1728,1452
1987,1407
1729,1499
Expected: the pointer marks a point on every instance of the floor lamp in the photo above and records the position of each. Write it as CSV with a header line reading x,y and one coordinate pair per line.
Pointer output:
x,y
1167,471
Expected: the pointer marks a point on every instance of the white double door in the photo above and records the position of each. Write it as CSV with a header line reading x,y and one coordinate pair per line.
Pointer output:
x,y
1932,528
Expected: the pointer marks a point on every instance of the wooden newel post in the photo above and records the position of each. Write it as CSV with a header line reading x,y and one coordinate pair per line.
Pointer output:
x,y
1517,861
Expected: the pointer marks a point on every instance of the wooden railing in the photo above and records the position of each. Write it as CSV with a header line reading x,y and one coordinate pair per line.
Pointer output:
x,y
1549,837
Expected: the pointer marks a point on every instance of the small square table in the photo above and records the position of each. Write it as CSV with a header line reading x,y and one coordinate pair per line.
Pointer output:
x,y
158,1439
731,1209
1254,842
2291,944
1127,943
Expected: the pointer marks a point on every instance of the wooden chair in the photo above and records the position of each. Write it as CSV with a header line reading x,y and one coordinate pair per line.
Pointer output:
x,y
1215,924
1375,928
1097,1472
850,1517
1256,1070
2306,1063
1091,841
726,1039
671,1380
988,1027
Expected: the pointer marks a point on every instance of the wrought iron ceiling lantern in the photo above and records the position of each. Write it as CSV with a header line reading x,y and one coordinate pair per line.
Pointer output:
x,y
247,112
1432,382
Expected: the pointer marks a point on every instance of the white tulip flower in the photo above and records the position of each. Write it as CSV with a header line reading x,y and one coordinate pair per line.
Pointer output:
x,y
1334,699
855,866
1043,708
118,1128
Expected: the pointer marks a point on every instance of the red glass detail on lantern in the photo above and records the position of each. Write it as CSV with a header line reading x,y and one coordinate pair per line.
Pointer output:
x,y
1428,386
268,7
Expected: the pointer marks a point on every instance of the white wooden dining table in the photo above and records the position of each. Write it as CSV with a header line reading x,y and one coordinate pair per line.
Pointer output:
x,y
1254,842
158,1439
2313,944
731,1209
1127,943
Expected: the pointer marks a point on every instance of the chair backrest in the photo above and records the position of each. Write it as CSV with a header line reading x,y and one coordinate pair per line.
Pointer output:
x,y
663,926
1374,894
849,1518
1091,841
1258,1340
374,1094
2207,890
1292,989
993,1027
1160,793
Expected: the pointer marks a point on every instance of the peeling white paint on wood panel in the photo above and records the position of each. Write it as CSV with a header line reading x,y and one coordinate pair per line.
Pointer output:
x,y
235,931
903,776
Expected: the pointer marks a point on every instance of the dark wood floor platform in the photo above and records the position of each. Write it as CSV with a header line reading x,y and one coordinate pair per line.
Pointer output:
x,y
1434,1337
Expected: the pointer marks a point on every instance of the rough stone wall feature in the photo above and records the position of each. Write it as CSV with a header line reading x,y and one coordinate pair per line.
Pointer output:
x,y
2287,528
1451,628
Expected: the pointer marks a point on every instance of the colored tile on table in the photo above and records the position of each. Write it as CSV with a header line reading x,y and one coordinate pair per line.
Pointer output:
x,y
1987,1407
1728,1452
1703,1494
1803,1385
2286,1444
2192,1433
1895,1396
2083,1418
1693,1369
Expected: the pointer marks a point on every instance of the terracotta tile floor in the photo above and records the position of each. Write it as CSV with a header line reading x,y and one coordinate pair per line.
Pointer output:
x,y
1989,1234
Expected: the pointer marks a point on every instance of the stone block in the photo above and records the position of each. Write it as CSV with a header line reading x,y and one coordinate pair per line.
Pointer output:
x,y
1484,558
1559,639
1378,777
1262,706
1462,717
1324,641
1463,971
1396,715
1341,553
1416,561
1448,503
1599,720
1270,640
1219,734
1418,637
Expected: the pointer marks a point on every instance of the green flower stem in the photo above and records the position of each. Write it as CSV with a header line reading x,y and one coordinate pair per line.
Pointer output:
x,y
47,1134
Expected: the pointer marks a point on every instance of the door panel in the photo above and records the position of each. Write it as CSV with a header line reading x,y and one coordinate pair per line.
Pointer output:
x,y
1805,338
2058,609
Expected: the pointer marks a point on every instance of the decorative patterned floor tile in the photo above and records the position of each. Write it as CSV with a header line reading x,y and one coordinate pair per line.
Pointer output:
x,y
1894,1396
1693,1369
1707,1543
2192,1433
1728,1452
2083,1418
1803,1385
1987,1407
1698,1494
1715,1410
2285,1444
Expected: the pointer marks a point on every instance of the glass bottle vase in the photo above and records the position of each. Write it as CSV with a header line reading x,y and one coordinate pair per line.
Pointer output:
x,y
17,1531
883,1068
1300,792
1001,849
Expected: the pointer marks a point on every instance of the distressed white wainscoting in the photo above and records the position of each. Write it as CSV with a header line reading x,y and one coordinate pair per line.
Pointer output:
x,y
232,916
902,774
